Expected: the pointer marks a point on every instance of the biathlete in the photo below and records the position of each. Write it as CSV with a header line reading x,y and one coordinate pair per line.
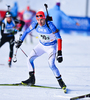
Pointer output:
x,y
49,39
8,30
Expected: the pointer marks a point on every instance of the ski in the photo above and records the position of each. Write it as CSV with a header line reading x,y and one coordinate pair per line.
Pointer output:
x,y
64,89
38,86
79,97
20,84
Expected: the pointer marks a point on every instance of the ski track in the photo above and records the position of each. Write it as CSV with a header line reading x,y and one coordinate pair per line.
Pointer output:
x,y
75,70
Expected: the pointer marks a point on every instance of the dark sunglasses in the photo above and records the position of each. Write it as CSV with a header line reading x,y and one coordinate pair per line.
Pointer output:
x,y
39,16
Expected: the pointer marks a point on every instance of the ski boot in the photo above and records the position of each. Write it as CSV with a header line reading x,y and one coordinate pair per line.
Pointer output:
x,y
61,83
30,81
9,62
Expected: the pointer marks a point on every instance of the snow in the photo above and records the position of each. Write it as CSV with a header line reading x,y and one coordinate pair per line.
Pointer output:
x,y
75,71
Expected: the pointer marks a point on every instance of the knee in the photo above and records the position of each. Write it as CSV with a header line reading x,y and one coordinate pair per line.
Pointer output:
x,y
31,57
31,60
51,64
51,61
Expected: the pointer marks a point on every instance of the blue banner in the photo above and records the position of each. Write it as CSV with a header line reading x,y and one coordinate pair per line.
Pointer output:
x,y
83,21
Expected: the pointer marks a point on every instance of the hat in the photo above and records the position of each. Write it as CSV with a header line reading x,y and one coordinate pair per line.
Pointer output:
x,y
8,14
28,8
40,15
58,3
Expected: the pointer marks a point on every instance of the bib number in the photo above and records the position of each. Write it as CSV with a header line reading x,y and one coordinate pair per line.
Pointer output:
x,y
44,37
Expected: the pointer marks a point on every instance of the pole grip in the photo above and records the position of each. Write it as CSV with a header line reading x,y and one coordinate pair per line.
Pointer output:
x,y
46,6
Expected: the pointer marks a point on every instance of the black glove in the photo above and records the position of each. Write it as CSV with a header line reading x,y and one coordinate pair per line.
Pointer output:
x,y
18,43
20,29
14,32
59,56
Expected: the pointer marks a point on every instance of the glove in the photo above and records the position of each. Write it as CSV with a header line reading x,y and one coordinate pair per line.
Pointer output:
x,y
14,32
18,43
59,56
20,29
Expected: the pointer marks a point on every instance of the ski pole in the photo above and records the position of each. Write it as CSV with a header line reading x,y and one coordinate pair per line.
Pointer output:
x,y
48,17
15,59
8,7
24,52
33,36
46,6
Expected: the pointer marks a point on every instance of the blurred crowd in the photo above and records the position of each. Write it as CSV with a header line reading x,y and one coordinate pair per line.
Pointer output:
x,y
27,15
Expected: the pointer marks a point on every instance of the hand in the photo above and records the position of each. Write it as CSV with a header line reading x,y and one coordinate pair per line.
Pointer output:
x,y
20,29
59,56
14,32
18,43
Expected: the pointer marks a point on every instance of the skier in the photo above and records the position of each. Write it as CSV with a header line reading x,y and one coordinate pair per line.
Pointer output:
x,y
8,30
49,39
28,17
58,15
14,11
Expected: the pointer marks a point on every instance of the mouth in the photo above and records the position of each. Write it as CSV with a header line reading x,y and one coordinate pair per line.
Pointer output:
x,y
40,24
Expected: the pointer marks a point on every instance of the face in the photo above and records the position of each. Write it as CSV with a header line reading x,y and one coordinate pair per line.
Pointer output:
x,y
8,19
41,22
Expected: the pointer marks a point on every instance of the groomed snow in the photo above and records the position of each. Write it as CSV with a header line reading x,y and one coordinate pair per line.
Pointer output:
x,y
75,71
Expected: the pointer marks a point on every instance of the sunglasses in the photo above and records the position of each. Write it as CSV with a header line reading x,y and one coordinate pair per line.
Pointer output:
x,y
39,15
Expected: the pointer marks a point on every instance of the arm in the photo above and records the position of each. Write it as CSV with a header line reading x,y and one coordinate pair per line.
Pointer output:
x,y
31,27
21,24
59,42
25,33
2,28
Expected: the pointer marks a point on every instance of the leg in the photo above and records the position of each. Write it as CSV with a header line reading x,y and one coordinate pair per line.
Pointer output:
x,y
51,50
11,45
51,60
2,41
55,70
36,52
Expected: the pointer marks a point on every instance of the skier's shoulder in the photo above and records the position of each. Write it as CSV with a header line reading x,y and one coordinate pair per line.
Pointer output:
x,y
50,24
3,21
52,27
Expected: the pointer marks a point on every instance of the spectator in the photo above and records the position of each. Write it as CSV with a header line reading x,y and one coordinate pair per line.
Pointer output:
x,y
57,16
28,16
14,10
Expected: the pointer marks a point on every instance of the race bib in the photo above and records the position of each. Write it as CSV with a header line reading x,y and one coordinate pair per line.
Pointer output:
x,y
47,37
